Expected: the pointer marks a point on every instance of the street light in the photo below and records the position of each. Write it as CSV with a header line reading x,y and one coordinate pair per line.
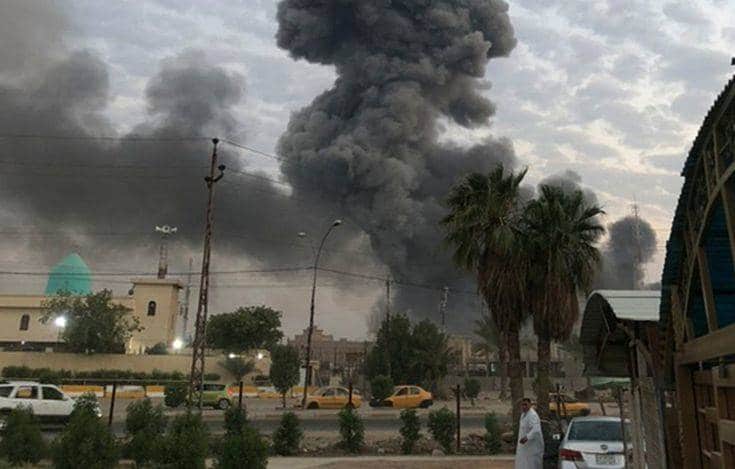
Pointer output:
x,y
307,375
177,344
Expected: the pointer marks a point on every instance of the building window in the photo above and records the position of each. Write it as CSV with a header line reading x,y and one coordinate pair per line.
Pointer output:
x,y
24,321
151,308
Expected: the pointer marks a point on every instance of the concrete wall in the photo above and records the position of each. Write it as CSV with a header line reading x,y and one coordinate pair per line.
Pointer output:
x,y
143,363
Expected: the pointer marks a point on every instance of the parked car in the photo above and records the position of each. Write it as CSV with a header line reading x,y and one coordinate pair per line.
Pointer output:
x,y
593,442
333,397
49,403
216,395
571,406
408,397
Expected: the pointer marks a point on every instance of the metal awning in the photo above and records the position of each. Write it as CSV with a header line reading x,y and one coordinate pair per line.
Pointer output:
x,y
604,341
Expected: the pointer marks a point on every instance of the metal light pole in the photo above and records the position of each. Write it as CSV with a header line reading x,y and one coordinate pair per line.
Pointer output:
x,y
165,231
198,347
307,374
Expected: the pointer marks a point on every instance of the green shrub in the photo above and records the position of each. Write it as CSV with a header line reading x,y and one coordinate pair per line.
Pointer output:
x,y
351,429
443,425
287,437
471,389
236,419
410,430
158,349
175,394
145,425
88,403
186,444
243,450
85,442
381,387
493,441
21,438
56,376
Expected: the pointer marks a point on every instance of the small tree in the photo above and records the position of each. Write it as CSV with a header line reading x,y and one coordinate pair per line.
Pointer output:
x,y
235,420
94,323
287,437
175,394
249,328
145,425
381,387
493,441
85,442
186,445
443,425
242,445
238,367
284,371
410,430
22,441
244,450
351,429
471,389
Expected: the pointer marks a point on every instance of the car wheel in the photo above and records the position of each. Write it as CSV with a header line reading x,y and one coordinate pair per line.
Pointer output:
x,y
349,405
223,404
426,404
585,412
312,405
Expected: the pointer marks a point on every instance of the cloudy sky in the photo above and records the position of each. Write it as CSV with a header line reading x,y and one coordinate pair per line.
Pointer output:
x,y
614,90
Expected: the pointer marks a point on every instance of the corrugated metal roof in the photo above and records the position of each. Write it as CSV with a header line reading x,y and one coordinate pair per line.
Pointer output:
x,y
632,305
605,345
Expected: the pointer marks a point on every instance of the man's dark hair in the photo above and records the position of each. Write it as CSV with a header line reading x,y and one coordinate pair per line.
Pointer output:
x,y
526,399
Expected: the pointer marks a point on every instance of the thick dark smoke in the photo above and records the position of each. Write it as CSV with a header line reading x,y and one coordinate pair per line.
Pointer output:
x,y
54,179
623,261
371,141
631,244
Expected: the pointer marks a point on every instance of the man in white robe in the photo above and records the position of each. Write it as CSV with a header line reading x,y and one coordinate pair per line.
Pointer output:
x,y
530,448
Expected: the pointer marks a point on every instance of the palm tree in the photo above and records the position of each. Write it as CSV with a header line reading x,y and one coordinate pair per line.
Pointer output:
x,y
483,228
561,229
488,345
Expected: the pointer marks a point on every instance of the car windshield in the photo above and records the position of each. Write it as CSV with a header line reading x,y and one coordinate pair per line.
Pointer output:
x,y
596,431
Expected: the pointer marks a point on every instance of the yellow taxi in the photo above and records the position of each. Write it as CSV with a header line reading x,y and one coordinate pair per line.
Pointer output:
x,y
570,406
333,397
408,397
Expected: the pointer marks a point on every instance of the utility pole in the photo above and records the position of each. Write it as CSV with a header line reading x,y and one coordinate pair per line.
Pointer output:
x,y
443,307
187,295
388,281
638,253
198,347
165,231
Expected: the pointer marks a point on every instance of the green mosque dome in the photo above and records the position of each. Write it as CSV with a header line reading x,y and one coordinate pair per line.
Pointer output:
x,y
71,274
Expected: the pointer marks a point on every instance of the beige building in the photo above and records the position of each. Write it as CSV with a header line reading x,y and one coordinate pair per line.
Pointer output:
x,y
328,352
154,302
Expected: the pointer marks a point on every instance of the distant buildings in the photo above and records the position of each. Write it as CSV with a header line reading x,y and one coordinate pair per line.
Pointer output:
x,y
155,302
329,353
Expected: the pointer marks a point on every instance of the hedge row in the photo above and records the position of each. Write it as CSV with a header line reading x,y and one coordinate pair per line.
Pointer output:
x,y
48,375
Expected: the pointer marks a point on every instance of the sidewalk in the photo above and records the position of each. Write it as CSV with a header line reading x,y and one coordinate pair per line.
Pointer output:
x,y
394,462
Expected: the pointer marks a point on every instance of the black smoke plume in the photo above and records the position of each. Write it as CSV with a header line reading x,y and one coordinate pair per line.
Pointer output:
x,y
631,244
371,142
64,190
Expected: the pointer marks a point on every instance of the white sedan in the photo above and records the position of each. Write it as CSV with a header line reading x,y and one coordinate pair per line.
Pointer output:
x,y
593,442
